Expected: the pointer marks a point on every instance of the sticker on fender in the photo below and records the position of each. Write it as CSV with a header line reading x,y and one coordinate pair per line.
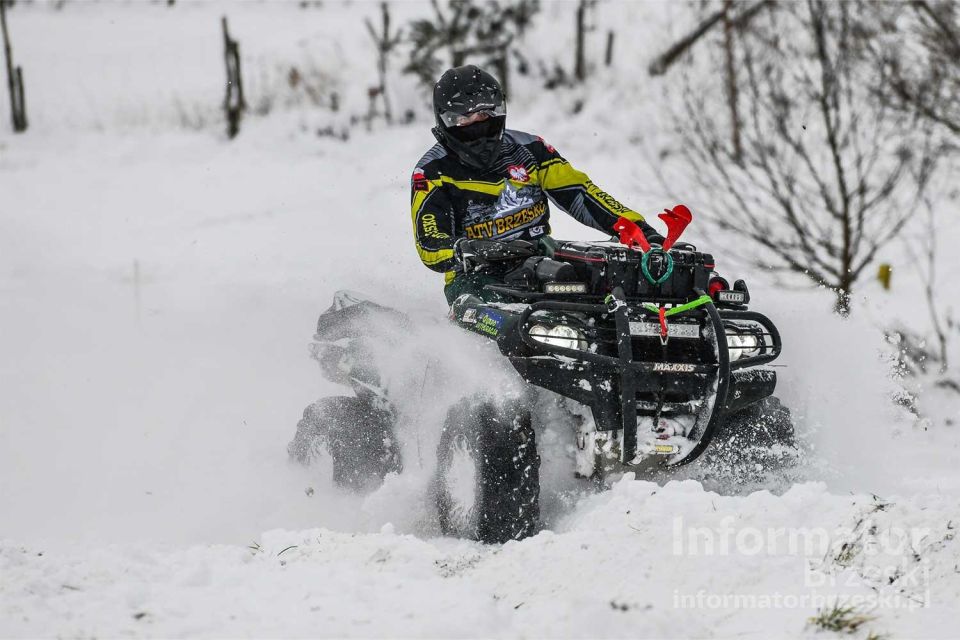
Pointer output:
x,y
673,330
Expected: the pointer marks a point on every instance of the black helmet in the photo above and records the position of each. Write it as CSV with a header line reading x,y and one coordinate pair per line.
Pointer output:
x,y
471,114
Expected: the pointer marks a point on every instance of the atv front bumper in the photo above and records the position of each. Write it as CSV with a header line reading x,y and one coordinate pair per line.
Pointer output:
x,y
626,378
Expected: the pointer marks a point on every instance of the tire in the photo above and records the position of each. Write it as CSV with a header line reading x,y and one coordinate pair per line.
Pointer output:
x,y
752,447
488,473
765,423
358,436
311,436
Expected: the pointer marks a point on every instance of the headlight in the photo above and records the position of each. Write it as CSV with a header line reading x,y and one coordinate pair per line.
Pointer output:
x,y
742,343
559,336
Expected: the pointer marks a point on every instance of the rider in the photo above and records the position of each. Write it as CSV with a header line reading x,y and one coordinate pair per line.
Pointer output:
x,y
482,180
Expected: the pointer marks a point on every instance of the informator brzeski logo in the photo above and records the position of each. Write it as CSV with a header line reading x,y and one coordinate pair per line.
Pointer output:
x,y
518,172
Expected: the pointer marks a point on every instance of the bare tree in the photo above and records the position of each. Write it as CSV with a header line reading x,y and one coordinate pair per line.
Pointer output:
x,y
925,260
826,174
469,30
923,78
385,42
917,48
580,55
734,17
18,107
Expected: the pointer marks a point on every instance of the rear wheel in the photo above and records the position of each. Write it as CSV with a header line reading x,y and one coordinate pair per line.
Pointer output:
x,y
358,436
488,473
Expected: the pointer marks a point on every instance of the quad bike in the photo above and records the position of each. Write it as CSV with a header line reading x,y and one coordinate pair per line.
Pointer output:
x,y
662,351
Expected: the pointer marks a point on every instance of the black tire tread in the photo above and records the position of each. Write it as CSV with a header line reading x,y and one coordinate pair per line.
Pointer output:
x,y
358,436
508,505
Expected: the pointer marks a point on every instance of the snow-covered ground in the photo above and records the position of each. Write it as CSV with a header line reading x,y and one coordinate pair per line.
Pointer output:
x,y
158,287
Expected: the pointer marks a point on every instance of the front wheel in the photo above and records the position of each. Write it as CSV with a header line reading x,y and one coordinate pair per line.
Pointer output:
x,y
766,423
488,473
754,445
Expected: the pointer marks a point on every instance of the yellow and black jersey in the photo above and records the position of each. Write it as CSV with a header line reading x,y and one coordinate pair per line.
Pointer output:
x,y
506,201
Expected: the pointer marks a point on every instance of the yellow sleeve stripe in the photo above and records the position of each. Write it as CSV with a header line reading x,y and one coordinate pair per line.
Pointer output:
x,y
434,257
558,173
420,196
492,188
633,216
551,161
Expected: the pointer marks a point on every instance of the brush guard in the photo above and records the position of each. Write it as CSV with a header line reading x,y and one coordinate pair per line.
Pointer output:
x,y
733,386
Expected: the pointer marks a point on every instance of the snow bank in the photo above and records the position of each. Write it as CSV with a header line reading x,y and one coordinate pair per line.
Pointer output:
x,y
626,563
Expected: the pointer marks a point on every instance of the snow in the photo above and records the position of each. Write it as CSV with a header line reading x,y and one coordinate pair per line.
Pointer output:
x,y
600,573
158,290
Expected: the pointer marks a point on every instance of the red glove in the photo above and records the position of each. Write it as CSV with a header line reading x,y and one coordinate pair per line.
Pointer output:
x,y
630,234
677,220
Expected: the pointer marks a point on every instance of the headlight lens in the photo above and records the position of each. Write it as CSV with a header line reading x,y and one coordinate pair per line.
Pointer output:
x,y
559,336
742,343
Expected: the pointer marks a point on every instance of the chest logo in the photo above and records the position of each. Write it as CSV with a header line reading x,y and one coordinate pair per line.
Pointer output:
x,y
518,172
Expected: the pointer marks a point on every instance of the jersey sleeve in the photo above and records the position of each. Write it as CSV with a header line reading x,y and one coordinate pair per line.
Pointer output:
x,y
432,216
574,192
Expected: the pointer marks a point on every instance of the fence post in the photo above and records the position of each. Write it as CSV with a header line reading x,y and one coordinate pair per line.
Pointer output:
x,y
234,103
18,110
580,66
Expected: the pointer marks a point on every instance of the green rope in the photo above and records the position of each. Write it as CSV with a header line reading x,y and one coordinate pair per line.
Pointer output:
x,y
645,266
693,304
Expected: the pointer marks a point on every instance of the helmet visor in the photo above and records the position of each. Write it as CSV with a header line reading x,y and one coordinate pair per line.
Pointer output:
x,y
484,112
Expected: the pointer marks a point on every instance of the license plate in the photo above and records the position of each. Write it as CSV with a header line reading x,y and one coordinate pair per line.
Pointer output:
x,y
673,330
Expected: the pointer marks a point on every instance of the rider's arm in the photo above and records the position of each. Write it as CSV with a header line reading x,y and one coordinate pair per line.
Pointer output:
x,y
432,216
575,193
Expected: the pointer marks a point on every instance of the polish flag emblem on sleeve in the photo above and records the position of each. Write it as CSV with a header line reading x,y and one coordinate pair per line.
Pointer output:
x,y
419,180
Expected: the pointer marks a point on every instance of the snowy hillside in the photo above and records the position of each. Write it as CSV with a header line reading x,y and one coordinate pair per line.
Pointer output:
x,y
158,289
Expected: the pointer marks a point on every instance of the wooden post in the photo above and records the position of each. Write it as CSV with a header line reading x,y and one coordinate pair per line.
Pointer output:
x,y
384,54
18,112
580,66
503,69
732,88
234,103
21,102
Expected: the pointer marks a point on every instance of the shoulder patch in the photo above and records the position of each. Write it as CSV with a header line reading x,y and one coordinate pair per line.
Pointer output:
x,y
549,146
419,180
